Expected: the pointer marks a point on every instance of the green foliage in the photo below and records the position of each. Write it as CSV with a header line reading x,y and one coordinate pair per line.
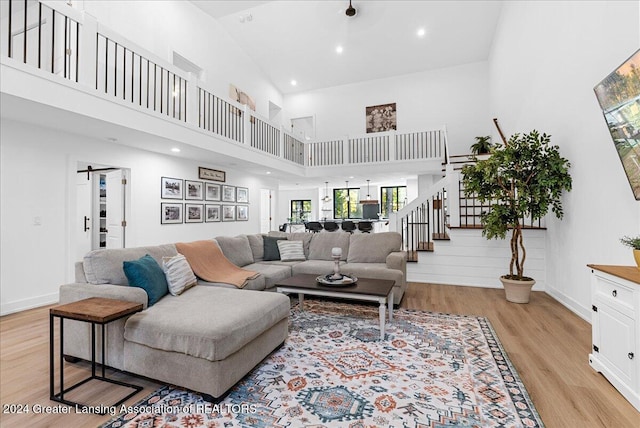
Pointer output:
x,y
631,241
523,179
482,145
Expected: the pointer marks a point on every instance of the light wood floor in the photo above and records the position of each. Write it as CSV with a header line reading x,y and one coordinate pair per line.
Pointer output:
x,y
547,343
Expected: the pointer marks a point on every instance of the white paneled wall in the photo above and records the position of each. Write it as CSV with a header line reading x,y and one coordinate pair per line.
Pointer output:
x,y
470,259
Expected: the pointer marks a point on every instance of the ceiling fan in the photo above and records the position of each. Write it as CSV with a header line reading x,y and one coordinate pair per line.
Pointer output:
x,y
351,11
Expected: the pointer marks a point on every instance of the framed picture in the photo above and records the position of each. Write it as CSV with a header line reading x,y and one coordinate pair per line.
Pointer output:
x,y
211,192
212,213
211,174
228,194
228,213
242,212
194,190
242,195
170,213
381,118
170,188
194,213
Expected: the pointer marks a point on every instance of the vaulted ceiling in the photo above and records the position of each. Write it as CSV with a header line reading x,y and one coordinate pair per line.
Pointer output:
x,y
297,40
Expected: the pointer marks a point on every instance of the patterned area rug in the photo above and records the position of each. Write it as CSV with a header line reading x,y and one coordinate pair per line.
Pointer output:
x,y
433,370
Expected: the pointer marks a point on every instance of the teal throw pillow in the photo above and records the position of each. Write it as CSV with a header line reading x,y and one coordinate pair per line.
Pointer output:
x,y
147,274
271,251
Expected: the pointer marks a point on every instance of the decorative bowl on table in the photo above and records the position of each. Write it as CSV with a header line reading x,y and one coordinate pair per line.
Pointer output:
x,y
341,281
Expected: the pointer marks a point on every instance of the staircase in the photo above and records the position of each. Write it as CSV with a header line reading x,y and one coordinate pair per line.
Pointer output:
x,y
432,216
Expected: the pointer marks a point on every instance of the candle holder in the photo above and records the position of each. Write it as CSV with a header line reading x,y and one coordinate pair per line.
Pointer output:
x,y
336,253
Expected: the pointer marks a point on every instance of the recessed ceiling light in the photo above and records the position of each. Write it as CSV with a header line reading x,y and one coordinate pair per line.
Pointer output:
x,y
421,32
294,82
268,172
175,150
339,49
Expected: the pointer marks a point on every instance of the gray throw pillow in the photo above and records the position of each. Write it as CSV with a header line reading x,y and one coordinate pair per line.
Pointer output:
x,y
271,251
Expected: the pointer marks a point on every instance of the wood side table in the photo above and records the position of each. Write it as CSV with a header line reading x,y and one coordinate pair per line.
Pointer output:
x,y
97,311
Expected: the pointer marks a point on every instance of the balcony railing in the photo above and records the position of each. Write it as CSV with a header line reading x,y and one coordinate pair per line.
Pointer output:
x,y
123,73
40,36
54,37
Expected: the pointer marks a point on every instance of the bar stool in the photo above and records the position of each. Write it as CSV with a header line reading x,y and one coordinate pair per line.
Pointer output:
x,y
330,226
365,226
348,226
314,226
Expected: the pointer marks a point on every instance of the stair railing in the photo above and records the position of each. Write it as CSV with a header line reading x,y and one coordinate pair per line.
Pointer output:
x,y
424,217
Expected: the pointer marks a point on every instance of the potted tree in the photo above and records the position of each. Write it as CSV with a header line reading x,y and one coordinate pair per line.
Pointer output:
x,y
633,242
523,178
482,146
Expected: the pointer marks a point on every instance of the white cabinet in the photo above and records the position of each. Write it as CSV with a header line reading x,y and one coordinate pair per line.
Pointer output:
x,y
615,299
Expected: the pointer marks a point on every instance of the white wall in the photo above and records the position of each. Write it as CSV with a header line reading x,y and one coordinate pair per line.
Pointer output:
x,y
546,59
456,97
163,27
38,180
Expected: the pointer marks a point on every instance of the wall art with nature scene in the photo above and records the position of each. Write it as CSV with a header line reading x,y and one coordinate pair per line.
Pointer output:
x,y
381,118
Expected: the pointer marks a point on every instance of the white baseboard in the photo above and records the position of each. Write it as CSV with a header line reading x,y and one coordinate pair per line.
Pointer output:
x,y
570,304
30,303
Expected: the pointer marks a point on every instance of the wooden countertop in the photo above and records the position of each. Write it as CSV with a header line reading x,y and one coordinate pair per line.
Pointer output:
x,y
630,273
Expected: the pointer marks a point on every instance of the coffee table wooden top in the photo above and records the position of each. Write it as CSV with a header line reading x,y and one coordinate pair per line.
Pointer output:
x,y
96,309
374,287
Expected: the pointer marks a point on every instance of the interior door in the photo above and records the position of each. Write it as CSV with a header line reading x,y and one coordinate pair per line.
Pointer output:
x,y
83,225
266,217
116,182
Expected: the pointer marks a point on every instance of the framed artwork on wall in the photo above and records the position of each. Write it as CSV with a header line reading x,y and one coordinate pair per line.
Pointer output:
x,y
211,174
193,213
194,190
381,118
242,212
212,213
170,213
228,193
228,213
170,188
211,192
242,195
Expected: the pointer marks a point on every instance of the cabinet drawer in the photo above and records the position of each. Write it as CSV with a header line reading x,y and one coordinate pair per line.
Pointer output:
x,y
614,294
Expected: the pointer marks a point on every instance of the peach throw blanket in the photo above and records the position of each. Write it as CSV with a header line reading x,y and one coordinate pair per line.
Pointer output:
x,y
208,262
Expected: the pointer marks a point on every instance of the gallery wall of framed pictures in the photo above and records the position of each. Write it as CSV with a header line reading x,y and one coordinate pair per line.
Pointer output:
x,y
205,202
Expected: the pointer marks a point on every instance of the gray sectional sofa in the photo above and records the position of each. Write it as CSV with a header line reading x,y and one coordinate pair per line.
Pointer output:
x,y
213,334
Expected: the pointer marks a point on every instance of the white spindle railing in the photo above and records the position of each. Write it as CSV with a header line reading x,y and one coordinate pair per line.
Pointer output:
x,y
293,149
326,153
220,117
419,145
369,148
264,136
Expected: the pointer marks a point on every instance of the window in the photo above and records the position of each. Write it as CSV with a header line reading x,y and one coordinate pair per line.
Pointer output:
x,y
392,199
346,203
300,210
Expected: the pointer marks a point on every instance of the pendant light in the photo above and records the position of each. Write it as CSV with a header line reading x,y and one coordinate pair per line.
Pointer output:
x,y
368,192
326,192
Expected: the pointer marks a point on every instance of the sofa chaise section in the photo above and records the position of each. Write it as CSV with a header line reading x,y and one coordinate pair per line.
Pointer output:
x,y
206,339
223,340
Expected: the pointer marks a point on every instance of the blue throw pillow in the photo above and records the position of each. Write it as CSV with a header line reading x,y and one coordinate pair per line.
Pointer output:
x,y
147,274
